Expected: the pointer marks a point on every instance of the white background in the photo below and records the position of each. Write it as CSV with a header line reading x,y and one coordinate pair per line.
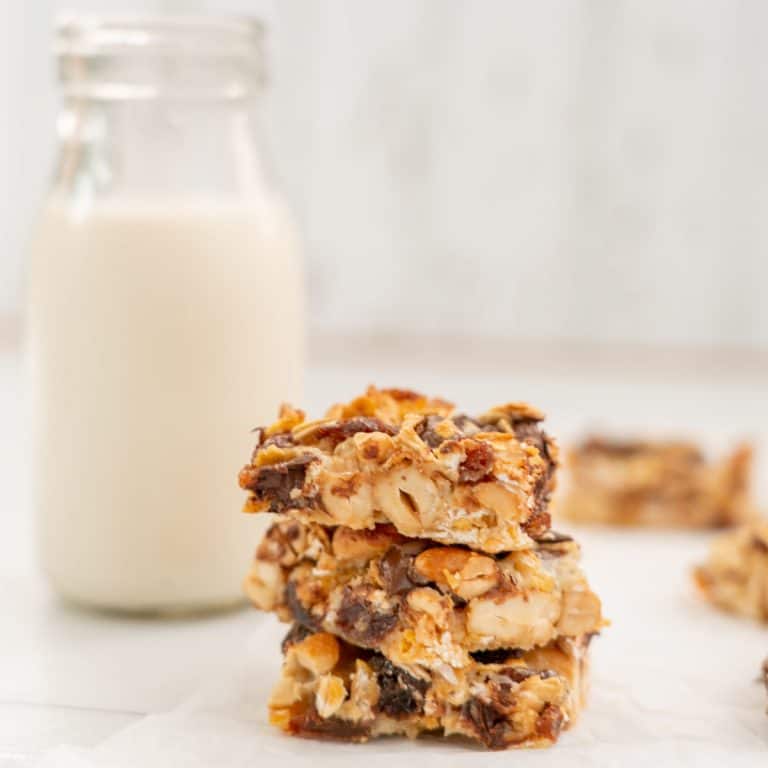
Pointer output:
x,y
587,170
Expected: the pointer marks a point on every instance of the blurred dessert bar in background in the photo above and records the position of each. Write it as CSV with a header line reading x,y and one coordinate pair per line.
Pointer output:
x,y
655,484
412,552
735,575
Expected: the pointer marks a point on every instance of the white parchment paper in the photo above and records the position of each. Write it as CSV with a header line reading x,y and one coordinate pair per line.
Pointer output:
x,y
674,683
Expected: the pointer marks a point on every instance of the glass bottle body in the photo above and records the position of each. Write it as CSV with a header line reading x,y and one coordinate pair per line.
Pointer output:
x,y
165,319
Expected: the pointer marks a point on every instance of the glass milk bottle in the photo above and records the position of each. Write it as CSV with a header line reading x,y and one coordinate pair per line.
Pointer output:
x,y
165,313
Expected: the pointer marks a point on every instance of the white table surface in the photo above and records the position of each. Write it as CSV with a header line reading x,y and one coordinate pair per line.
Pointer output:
x,y
72,677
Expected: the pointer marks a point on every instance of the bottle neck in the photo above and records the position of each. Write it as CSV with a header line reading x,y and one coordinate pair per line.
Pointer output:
x,y
158,108
158,148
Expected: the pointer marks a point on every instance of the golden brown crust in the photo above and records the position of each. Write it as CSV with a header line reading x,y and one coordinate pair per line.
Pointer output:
x,y
420,604
661,484
735,576
395,456
513,702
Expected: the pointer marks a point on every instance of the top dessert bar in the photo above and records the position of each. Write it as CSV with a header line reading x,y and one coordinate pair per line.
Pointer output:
x,y
663,484
399,457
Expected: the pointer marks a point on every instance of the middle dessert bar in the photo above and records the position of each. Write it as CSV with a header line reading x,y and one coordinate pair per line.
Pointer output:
x,y
394,456
419,603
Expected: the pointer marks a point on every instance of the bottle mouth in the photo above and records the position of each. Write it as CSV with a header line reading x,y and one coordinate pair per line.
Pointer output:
x,y
196,36
139,57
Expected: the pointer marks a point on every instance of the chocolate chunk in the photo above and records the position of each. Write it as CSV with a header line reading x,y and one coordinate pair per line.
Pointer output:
x,y
496,655
550,722
276,481
488,723
360,620
553,537
465,427
760,544
339,431
542,490
425,429
518,674
277,544
478,463
395,569
281,440
295,634
308,723
529,431
300,614
400,694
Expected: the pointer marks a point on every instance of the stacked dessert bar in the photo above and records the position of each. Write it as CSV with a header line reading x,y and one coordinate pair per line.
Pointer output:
x,y
412,553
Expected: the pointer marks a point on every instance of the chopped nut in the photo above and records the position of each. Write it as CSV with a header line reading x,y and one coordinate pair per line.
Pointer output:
x,y
330,695
410,498
525,568
465,573
363,693
581,612
288,418
264,584
351,506
349,544
519,622
318,653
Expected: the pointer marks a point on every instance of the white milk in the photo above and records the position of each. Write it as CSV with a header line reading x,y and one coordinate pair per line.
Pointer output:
x,y
159,335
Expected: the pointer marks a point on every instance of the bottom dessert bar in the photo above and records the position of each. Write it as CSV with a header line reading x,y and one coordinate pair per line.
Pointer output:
x,y
735,576
332,690
656,484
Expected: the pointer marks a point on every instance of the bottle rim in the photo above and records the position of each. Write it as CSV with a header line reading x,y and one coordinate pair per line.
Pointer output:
x,y
85,35
84,42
